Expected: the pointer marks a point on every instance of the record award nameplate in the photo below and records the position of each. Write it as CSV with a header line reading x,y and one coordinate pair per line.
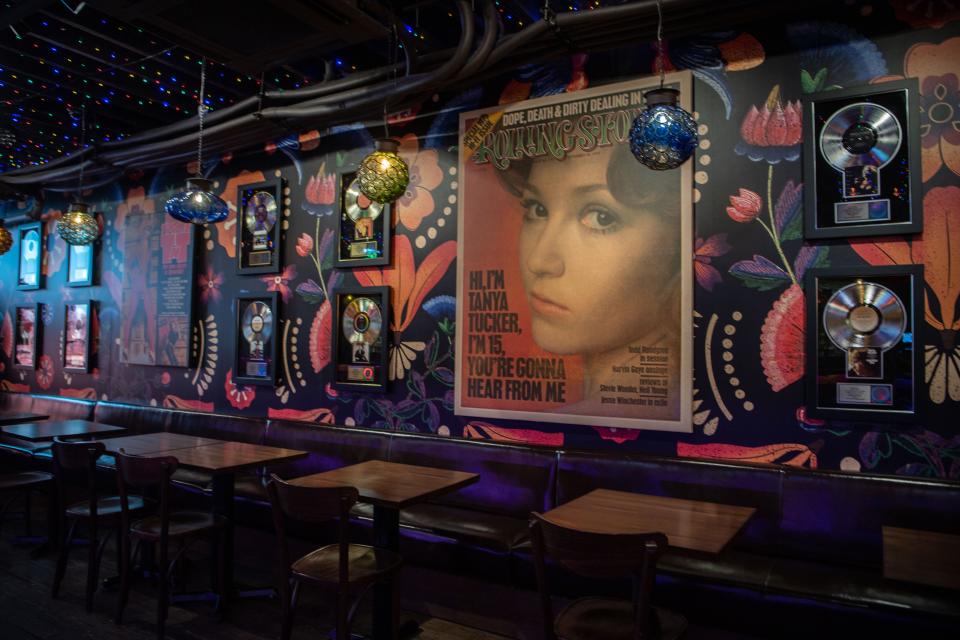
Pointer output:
x,y
363,231
863,353
258,325
862,161
260,209
360,328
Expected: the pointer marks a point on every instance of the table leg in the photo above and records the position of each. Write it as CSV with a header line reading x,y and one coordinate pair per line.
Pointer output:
x,y
386,535
222,488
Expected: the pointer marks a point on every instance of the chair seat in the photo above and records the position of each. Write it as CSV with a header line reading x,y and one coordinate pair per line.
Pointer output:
x,y
610,619
24,480
182,523
366,564
106,506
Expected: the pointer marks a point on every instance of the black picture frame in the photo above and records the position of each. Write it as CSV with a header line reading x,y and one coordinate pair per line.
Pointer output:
x,y
364,370
849,197
76,337
80,264
890,387
361,241
247,367
28,256
258,248
35,335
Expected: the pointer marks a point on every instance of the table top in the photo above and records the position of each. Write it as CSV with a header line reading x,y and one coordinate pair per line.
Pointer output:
x,y
159,443
391,484
50,429
225,456
16,417
688,524
919,556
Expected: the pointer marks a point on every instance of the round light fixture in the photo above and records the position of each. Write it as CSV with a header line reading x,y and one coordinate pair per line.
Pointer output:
x,y
383,175
6,240
78,226
197,204
663,135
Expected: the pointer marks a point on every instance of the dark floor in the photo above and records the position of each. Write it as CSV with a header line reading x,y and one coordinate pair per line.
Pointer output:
x,y
27,611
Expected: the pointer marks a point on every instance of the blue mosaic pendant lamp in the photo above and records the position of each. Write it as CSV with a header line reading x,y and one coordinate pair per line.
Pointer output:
x,y
78,226
663,135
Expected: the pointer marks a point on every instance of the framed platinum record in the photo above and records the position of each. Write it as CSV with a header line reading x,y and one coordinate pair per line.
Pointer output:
x,y
258,326
861,161
259,222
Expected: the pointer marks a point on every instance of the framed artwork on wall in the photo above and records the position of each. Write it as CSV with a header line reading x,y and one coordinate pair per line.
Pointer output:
x,y
259,216
258,322
80,264
26,336
363,232
29,273
76,337
361,324
861,161
863,349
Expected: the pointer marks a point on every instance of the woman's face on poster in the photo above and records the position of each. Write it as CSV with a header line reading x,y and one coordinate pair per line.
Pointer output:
x,y
599,272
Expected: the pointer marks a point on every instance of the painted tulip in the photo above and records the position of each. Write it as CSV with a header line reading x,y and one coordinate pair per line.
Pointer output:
x,y
304,245
773,125
745,207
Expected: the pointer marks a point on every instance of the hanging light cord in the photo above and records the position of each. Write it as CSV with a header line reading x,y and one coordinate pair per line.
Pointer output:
x,y
83,145
550,17
201,110
391,60
660,42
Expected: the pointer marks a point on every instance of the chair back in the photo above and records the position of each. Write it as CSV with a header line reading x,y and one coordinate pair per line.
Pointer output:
x,y
75,465
601,556
150,475
312,505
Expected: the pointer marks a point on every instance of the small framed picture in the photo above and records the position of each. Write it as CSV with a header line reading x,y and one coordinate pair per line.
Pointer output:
x,y
258,326
864,354
861,161
26,336
76,337
361,324
29,274
363,231
80,265
259,222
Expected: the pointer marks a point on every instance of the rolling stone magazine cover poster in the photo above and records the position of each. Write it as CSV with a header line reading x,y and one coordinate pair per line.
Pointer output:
x,y
574,271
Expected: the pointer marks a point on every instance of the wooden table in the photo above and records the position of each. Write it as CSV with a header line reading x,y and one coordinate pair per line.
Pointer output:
x,y
40,431
925,557
688,524
159,443
17,417
389,486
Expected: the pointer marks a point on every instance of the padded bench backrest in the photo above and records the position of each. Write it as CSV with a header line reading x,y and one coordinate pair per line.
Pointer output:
x,y
514,480
136,419
330,447
57,407
738,484
142,419
837,516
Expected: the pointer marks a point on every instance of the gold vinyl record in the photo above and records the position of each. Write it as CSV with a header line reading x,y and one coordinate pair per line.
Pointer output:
x,y
864,314
257,321
351,204
260,214
859,135
362,321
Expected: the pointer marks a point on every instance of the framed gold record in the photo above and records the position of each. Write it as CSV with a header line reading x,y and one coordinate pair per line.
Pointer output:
x,y
255,353
360,345
260,210
364,227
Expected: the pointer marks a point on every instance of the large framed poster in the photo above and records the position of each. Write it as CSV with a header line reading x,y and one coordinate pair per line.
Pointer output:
x,y
157,307
574,270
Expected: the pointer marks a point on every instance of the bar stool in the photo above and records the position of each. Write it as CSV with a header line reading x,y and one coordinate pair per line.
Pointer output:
x,y
24,483
342,565
153,474
75,465
603,556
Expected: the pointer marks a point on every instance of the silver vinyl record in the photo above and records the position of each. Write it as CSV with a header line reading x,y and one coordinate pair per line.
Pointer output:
x,y
860,134
351,204
362,321
260,214
257,321
864,314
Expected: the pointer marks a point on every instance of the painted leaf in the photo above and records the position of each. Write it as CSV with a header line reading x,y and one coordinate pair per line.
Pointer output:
x,y
321,415
792,454
809,257
941,237
176,402
781,340
487,431
310,291
887,251
716,81
786,211
326,243
759,273
6,335
320,337
431,270
874,447
88,393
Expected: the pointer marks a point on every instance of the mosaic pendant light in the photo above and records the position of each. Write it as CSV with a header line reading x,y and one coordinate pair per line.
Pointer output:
x,y
198,203
6,240
78,226
383,175
663,135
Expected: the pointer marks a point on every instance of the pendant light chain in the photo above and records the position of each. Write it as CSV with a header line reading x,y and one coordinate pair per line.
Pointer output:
x,y
201,110
660,43
83,145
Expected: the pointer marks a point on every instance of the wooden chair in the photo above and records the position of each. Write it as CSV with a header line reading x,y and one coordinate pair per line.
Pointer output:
x,y
75,466
343,566
604,557
23,483
153,475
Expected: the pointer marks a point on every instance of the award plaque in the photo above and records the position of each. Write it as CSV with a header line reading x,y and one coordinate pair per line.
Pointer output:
x,y
26,336
361,323
259,221
863,349
258,325
862,161
76,338
363,233
29,274
80,265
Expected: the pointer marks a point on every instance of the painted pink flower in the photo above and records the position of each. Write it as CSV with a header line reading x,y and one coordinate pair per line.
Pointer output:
x,y
781,340
45,372
425,176
209,284
617,434
772,131
238,397
281,282
304,245
745,207
925,14
322,188
703,253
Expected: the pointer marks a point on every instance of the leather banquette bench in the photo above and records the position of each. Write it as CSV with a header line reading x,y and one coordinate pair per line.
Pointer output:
x,y
810,558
